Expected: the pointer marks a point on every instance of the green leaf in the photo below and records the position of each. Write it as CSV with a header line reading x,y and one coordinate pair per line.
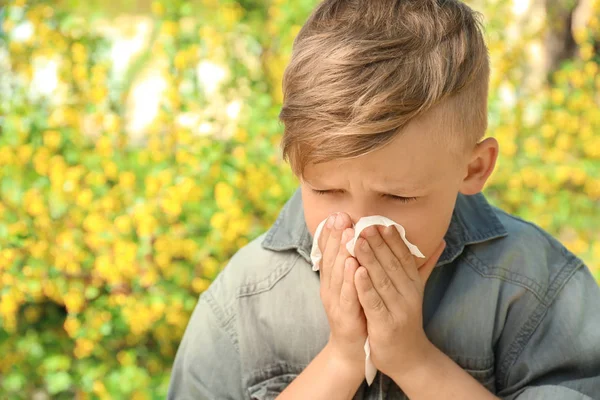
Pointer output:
x,y
91,292
14,382
58,382
57,362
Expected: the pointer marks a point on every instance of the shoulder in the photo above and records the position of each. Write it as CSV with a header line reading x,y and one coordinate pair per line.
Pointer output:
x,y
527,256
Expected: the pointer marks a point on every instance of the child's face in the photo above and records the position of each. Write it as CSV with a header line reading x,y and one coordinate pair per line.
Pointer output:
x,y
417,166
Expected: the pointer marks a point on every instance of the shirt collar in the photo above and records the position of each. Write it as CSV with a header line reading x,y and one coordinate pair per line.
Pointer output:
x,y
473,221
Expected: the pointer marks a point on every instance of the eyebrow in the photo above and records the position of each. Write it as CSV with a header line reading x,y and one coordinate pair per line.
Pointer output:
x,y
394,186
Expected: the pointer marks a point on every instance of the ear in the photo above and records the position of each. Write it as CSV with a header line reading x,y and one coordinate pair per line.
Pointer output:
x,y
480,167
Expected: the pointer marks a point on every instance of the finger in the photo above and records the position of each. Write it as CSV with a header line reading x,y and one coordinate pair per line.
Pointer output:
x,y
325,232
379,278
349,304
341,221
427,268
387,259
396,244
372,304
337,274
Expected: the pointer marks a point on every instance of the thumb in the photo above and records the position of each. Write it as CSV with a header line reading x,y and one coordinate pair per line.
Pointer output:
x,y
427,268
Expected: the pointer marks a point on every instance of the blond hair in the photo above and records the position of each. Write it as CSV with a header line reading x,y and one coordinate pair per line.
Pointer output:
x,y
361,70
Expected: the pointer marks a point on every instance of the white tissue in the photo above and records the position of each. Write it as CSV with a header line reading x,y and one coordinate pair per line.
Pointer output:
x,y
315,256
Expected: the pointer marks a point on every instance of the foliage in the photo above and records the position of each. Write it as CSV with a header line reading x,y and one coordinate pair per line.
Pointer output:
x,y
106,239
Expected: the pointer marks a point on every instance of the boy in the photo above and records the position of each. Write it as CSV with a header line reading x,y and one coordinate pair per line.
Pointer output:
x,y
385,107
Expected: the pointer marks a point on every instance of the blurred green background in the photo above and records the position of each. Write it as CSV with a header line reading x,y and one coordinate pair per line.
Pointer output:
x,y
139,150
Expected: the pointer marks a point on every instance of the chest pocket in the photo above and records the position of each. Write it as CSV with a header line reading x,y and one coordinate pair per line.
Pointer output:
x,y
482,370
271,388
483,373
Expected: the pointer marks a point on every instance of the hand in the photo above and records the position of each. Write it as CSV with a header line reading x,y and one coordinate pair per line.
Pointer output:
x,y
346,318
390,289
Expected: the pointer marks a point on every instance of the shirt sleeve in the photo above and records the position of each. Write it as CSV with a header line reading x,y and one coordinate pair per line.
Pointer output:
x,y
560,355
207,364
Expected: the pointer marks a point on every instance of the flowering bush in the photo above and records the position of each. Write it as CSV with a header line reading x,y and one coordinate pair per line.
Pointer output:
x,y
107,237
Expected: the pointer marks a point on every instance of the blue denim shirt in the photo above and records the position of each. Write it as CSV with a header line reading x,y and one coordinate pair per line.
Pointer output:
x,y
506,301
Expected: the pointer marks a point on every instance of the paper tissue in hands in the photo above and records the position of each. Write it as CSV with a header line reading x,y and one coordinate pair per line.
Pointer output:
x,y
316,255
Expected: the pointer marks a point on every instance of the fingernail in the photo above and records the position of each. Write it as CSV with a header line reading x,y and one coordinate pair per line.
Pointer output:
x,y
346,235
339,223
330,221
370,231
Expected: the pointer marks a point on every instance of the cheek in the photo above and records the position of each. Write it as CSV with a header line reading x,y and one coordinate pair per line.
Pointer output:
x,y
315,210
426,230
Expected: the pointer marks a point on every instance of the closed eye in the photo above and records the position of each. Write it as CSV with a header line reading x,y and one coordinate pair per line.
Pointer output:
x,y
401,199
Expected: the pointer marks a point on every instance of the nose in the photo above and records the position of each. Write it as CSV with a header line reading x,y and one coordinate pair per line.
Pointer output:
x,y
359,210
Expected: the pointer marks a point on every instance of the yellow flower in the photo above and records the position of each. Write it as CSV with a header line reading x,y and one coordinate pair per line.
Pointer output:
x,y
73,268
591,69
43,222
72,326
8,25
79,53
200,285
79,74
577,245
578,176
169,28
6,155
146,226
592,150
181,60
240,154
548,131
110,169
99,389
125,250
8,305
218,221
171,206
241,135
231,13
276,190
17,228
33,203
210,267
158,8
74,301
127,180
564,142
24,153
163,260
95,222
57,172
152,186
105,268
108,203
123,224
104,146
84,198
592,188
125,358
223,195
95,178
149,278
7,280
162,244
38,249
586,51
